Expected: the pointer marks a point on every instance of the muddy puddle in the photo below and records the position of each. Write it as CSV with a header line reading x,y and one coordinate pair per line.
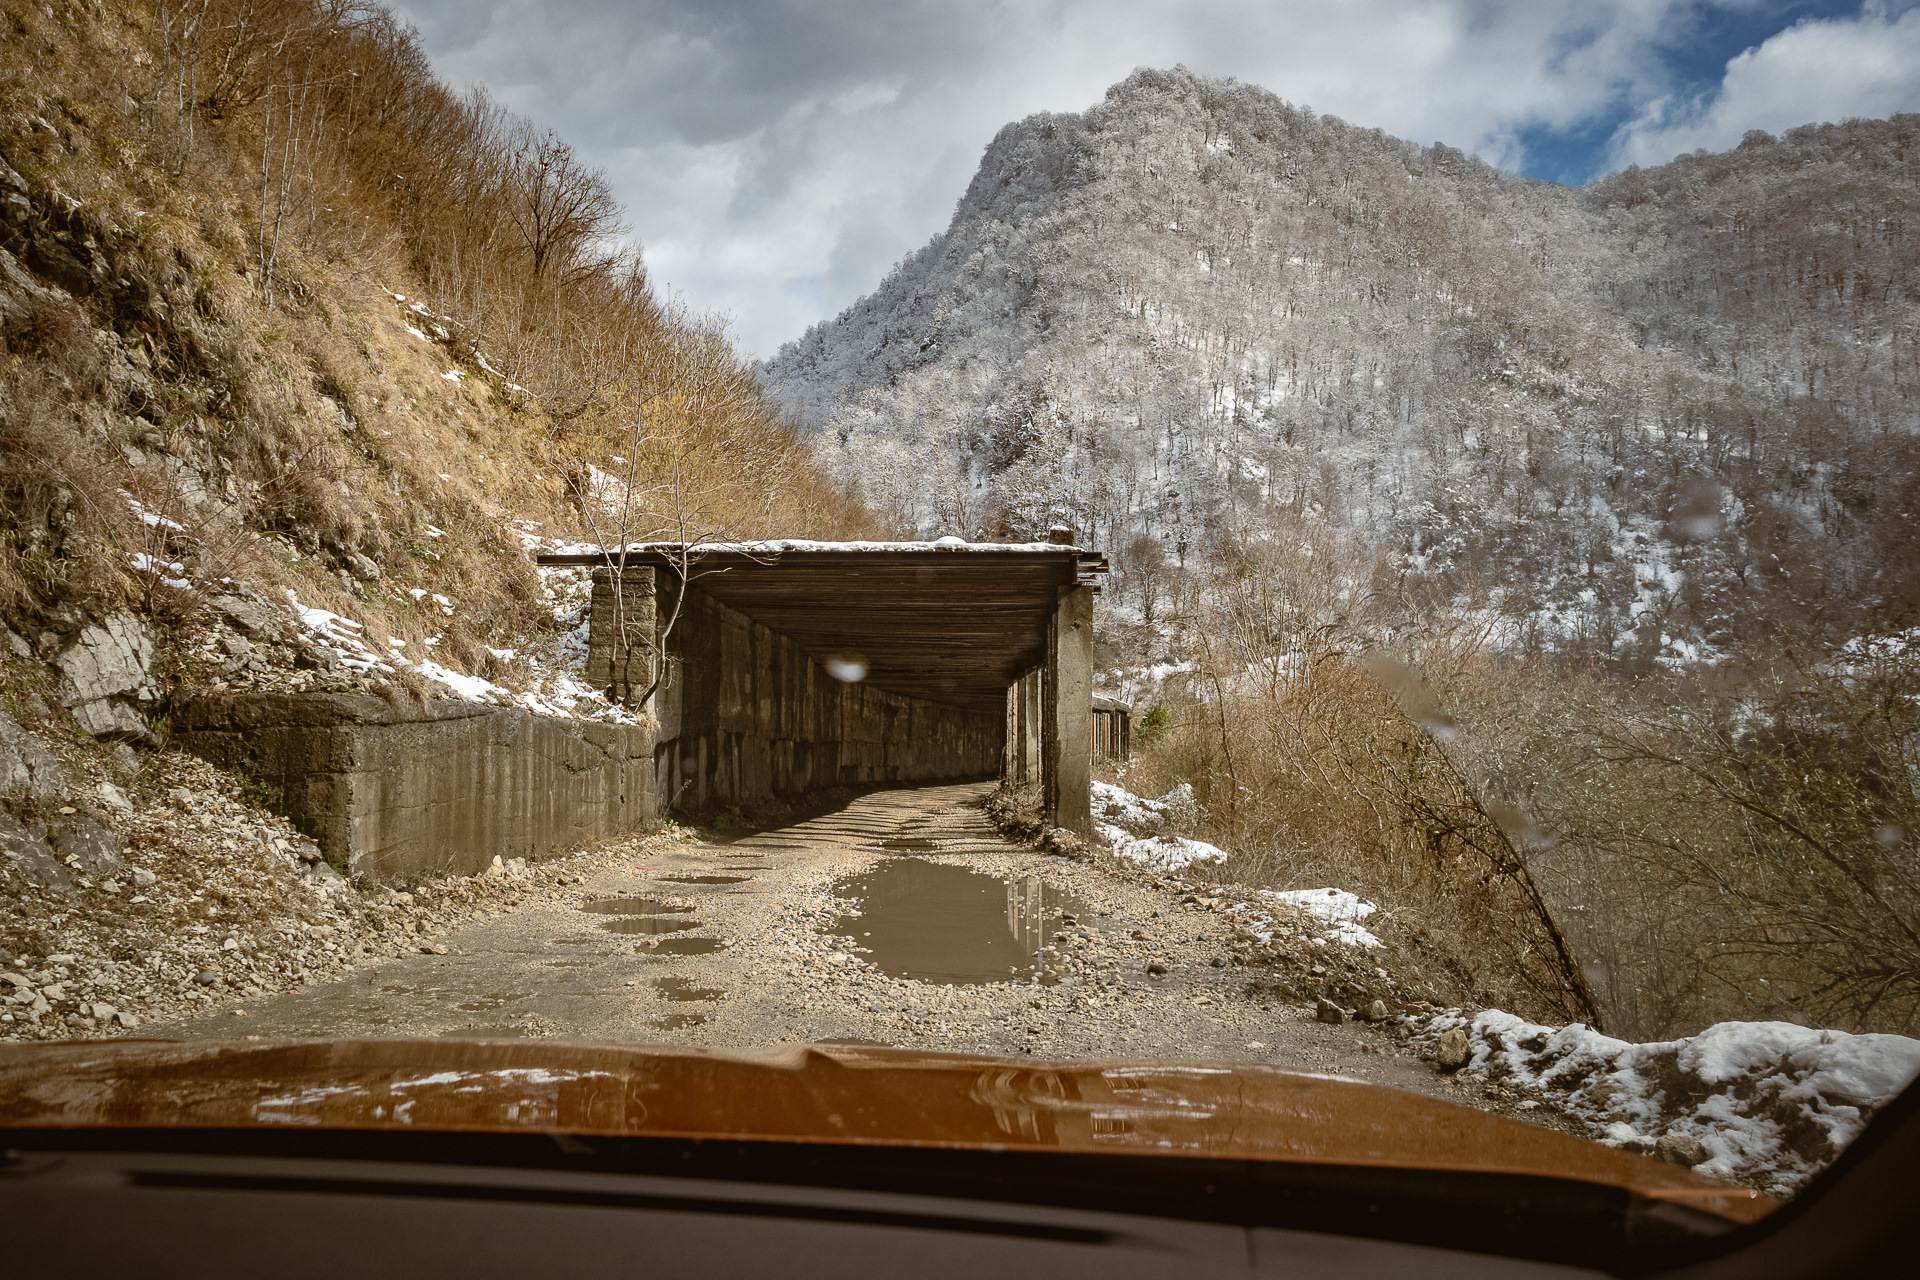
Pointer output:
x,y
494,999
704,879
678,1021
936,923
682,990
632,907
683,947
649,924
910,842
506,1031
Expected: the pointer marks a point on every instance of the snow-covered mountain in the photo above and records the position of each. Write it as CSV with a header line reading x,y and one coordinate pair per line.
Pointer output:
x,y
1649,417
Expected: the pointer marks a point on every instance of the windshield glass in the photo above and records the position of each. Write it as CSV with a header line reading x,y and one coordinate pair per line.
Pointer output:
x,y
1281,642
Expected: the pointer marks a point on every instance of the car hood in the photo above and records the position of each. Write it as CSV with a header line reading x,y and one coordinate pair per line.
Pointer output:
x,y
810,1093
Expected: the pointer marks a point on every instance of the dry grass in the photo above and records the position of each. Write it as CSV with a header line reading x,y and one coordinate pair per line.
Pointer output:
x,y
254,176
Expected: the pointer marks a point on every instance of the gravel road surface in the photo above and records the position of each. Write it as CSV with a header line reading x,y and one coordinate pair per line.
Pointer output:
x,y
904,919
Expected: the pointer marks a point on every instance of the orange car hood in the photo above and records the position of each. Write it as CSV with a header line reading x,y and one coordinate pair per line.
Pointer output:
x,y
827,1094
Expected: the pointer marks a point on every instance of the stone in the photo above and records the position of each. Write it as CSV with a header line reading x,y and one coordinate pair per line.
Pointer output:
x,y
1453,1049
1377,1011
1677,1148
113,797
25,848
81,841
361,567
1219,962
112,658
17,645
206,977
108,666
253,620
1328,1012
1156,969
27,769
143,878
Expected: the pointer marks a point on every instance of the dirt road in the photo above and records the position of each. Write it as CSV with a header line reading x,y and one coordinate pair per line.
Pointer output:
x,y
930,942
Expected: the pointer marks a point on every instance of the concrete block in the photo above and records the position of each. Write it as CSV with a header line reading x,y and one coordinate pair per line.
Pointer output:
x,y
395,793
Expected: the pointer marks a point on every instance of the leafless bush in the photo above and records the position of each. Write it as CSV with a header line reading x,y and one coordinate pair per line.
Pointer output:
x,y
1738,846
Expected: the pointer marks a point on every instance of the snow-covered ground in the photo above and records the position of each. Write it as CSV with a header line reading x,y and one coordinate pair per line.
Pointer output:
x,y
1768,1102
1132,827
1343,910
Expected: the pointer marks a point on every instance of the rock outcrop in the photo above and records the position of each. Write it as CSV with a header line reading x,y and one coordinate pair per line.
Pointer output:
x,y
28,770
107,678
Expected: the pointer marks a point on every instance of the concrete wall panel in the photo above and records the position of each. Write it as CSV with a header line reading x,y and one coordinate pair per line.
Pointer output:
x,y
395,793
745,715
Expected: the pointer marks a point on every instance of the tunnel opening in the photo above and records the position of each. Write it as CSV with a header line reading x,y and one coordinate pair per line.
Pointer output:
x,y
778,670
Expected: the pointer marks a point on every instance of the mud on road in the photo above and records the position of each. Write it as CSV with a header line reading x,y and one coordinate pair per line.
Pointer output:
x,y
904,919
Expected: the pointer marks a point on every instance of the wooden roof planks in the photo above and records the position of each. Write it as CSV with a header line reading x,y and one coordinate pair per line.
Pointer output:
x,y
950,625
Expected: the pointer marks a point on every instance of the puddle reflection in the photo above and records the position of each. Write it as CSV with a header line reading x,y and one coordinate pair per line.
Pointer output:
x,y
704,879
648,924
937,923
683,947
679,1021
632,907
682,990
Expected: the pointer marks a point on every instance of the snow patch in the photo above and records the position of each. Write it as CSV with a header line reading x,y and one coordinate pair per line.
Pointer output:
x,y
1337,907
1160,853
1772,1103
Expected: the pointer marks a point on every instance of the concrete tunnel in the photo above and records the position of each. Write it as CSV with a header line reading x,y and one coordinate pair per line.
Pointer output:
x,y
793,666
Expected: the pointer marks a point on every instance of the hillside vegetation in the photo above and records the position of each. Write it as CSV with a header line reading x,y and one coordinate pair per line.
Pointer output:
x,y
1515,545
279,306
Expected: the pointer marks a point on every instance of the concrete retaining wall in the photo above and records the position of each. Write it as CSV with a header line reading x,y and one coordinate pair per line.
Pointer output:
x,y
394,793
746,715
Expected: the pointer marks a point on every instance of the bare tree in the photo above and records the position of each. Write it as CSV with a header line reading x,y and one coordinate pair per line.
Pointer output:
x,y
557,206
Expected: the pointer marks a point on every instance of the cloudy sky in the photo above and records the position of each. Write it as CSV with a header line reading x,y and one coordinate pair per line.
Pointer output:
x,y
777,156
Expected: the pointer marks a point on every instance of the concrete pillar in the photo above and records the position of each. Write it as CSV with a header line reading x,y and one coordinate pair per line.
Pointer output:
x,y
1067,725
1030,723
620,639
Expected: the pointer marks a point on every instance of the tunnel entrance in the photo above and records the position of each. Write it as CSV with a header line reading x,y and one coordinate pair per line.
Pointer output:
x,y
778,668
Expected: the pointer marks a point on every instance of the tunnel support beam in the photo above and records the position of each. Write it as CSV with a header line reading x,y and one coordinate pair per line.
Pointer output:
x,y
1023,749
1067,721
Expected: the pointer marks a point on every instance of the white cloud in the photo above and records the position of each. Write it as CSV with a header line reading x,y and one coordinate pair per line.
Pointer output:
x,y
1811,73
776,156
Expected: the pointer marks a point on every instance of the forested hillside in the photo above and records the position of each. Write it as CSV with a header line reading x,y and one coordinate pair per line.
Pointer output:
x,y
1642,418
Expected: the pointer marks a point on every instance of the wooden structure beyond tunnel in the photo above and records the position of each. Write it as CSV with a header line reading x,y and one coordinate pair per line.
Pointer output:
x,y
792,666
